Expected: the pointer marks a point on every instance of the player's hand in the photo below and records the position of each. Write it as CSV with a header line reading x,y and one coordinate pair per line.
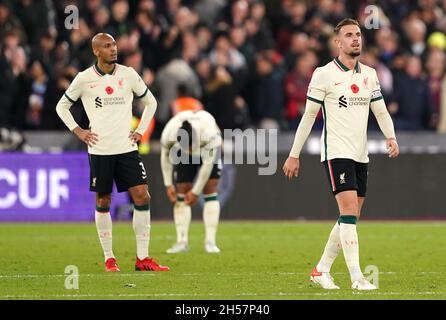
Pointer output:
x,y
171,194
191,198
392,147
86,136
291,167
135,137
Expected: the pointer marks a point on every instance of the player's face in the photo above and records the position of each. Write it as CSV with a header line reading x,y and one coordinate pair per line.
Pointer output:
x,y
350,40
108,51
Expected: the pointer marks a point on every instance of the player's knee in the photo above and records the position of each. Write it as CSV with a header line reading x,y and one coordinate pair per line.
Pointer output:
x,y
103,202
350,210
141,196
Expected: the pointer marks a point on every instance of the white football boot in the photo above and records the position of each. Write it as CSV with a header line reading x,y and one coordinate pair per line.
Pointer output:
x,y
178,247
211,248
324,279
363,284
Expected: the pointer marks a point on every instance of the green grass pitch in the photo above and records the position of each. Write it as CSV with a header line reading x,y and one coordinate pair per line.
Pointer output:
x,y
259,260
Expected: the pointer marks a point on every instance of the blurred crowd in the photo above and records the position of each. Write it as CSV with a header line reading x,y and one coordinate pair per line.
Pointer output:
x,y
249,62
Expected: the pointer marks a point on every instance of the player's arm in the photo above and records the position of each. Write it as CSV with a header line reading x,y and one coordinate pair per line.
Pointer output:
x,y
315,98
167,170
143,93
379,109
166,164
70,96
209,155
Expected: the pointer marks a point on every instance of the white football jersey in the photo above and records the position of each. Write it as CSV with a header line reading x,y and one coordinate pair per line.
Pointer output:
x,y
204,125
107,99
345,96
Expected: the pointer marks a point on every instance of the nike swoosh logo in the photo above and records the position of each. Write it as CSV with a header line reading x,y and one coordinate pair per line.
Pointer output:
x,y
93,86
336,83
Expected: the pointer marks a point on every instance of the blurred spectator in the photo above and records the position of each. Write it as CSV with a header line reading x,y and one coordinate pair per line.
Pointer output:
x,y
231,54
37,17
296,87
415,31
298,45
412,107
209,10
8,22
184,102
269,97
39,81
167,79
435,67
228,109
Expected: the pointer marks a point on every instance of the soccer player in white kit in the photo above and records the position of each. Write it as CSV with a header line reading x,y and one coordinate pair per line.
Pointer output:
x,y
107,90
191,143
346,90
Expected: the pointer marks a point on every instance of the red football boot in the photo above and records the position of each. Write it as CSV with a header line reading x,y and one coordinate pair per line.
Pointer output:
x,y
111,265
149,264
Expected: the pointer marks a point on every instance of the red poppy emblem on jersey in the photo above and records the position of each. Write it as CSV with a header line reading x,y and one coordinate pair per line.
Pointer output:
x,y
109,90
354,88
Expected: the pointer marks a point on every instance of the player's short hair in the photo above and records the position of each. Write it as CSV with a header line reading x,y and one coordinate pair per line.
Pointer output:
x,y
186,129
345,22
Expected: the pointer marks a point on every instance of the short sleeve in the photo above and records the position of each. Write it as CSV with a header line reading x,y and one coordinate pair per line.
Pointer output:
x,y
166,135
139,88
376,94
74,91
317,88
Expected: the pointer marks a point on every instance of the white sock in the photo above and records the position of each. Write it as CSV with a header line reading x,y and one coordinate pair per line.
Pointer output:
x,y
182,214
141,227
104,228
211,214
331,251
350,246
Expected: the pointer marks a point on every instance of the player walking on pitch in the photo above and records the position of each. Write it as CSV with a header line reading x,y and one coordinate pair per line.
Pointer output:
x,y
196,136
107,90
345,89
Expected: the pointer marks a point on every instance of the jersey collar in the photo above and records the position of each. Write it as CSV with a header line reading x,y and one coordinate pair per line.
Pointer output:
x,y
102,73
344,68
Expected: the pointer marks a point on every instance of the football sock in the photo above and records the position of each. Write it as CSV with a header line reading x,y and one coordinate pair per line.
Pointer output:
x,y
104,228
182,215
349,241
141,227
331,251
211,214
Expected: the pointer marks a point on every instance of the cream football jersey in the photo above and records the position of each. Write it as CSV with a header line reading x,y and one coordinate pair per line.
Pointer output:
x,y
345,96
107,99
204,125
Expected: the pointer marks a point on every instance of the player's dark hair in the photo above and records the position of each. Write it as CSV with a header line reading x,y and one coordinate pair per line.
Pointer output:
x,y
186,128
345,22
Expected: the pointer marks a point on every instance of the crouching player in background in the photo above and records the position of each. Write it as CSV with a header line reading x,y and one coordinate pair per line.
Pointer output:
x,y
191,143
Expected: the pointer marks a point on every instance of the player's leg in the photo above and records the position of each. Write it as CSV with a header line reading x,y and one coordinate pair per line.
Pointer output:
x,y
141,219
360,205
350,203
101,182
131,175
104,228
182,214
321,273
211,214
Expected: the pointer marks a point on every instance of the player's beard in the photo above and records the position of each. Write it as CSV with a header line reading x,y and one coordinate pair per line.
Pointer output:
x,y
112,61
354,54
